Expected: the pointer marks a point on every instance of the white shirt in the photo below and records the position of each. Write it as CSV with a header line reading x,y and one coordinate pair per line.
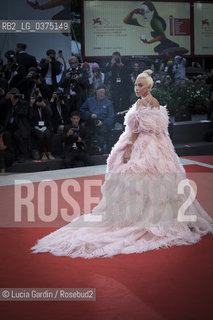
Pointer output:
x,y
48,77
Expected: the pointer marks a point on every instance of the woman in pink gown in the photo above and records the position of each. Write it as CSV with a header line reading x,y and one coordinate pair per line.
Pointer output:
x,y
147,200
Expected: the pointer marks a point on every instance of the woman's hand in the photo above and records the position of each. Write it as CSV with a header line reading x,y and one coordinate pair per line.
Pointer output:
x,y
144,40
34,5
148,100
127,153
145,101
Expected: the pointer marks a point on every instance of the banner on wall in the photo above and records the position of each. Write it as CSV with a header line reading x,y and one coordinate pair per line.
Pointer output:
x,y
136,28
203,28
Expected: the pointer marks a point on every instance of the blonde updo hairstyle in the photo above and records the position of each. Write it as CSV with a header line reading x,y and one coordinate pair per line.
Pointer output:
x,y
146,74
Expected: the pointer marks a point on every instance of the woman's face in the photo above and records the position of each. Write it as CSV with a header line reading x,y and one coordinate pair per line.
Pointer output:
x,y
147,13
141,87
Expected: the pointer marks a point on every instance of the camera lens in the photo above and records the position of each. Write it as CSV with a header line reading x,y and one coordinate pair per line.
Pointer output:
x,y
36,76
39,99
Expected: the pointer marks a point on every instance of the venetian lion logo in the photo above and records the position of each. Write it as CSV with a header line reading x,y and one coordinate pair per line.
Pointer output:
x,y
97,21
205,22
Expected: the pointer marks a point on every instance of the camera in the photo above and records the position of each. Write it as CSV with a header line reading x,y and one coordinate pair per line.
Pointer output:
x,y
14,67
37,96
35,76
75,133
60,95
73,79
17,96
39,99
36,92
96,121
97,72
74,75
117,60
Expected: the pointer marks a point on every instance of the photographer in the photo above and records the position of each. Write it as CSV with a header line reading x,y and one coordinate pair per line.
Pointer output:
x,y
75,146
13,72
50,68
6,151
98,112
31,83
120,82
97,76
75,84
14,112
23,58
42,131
179,70
60,111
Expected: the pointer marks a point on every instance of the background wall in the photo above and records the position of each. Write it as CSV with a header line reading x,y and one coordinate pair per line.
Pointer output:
x,y
37,43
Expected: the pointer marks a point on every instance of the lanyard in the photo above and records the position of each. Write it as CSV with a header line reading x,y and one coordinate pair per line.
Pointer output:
x,y
59,110
40,114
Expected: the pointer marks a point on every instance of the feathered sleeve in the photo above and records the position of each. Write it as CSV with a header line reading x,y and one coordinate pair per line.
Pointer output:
x,y
147,120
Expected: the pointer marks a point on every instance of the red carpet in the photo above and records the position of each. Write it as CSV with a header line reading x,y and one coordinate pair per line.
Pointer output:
x,y
204,159
196,168
174,283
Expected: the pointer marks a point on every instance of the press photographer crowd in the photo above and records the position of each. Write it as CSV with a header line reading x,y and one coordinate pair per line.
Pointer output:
x,y
50,108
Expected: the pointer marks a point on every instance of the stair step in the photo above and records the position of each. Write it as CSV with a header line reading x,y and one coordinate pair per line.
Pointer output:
x,y
190,131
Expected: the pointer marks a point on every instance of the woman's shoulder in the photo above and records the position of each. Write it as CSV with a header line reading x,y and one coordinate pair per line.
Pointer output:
x,y
147,104
148,110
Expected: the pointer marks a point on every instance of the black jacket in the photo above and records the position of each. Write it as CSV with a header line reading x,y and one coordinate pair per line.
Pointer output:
x,y
19,113
15,81
119,72
80,86
56,69
81,146
57,118
46,115
26,86
26,60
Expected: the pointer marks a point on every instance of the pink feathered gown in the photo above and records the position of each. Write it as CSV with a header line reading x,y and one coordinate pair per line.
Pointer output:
x,y
142,207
